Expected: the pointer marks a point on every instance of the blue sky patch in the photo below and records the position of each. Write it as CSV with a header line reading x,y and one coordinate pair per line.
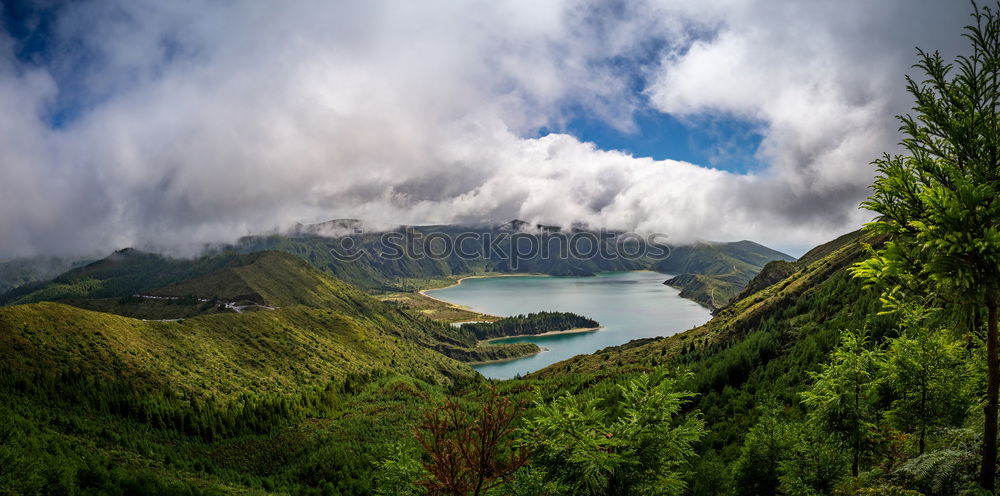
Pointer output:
x,y
721,142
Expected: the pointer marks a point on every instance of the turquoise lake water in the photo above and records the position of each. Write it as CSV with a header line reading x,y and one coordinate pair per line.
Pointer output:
x,y
629,305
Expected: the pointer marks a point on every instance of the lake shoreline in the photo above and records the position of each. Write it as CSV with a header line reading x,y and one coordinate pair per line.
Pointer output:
x,y
423,292
575,330
628,304
541,349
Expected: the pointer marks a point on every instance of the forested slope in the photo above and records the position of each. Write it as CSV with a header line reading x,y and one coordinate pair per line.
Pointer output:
x,y
760,348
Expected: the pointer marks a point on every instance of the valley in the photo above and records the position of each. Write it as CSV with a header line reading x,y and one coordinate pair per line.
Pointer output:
x,y
499,248
160,341
325,377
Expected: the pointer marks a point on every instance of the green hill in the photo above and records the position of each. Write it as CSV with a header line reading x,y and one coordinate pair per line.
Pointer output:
x,y
714,273
122,273
222,355
245,403
774,272
319,329
270,279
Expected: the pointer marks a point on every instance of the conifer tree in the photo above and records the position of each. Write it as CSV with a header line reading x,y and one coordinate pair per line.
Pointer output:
x,y
842,397
939,204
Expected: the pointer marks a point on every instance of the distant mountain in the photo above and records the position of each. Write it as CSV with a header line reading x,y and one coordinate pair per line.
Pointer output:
x,y
335,227
709,273
122,273
714,273
21,271
398,260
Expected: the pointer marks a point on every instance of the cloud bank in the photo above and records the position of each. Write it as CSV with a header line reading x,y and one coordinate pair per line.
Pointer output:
x,y
173,124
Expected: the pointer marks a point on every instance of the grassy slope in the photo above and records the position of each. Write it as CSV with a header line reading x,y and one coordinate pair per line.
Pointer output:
x,y
380,361
284,281
435,309
148,309
215,355
274,279
777,270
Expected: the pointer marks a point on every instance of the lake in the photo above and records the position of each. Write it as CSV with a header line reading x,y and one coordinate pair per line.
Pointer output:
x,y
629,305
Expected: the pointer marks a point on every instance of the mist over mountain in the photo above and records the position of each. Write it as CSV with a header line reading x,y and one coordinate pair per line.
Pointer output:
x,y
171,126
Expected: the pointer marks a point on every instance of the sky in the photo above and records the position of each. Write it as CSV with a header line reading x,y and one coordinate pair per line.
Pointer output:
x,y
172,125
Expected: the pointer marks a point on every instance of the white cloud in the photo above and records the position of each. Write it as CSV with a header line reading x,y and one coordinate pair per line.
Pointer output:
x,y
203,122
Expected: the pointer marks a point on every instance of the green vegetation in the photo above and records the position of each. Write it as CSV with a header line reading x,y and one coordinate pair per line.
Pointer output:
x,y
96,441
214,355
940,203
272,279
309,400
867,367
842,398
151,309
635,441
310,397
435,309
636,448
532,323
486,352
892,402
302,398
123,273
312,400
